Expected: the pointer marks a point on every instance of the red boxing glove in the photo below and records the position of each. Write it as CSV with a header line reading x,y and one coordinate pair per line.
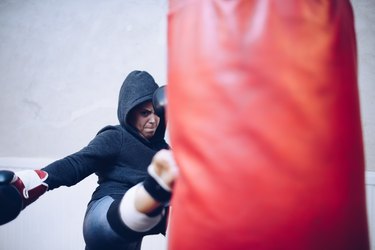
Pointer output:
x,y
30,184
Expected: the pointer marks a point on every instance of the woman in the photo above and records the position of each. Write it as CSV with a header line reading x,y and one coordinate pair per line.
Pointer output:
x,y
130,201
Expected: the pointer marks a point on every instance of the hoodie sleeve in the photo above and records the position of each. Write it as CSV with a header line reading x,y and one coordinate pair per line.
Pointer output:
x,y
101,152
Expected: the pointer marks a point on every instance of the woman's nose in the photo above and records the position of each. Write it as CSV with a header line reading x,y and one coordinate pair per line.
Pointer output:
x,y
153,118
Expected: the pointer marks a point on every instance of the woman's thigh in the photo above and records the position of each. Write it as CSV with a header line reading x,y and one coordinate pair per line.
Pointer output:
x,y
97,232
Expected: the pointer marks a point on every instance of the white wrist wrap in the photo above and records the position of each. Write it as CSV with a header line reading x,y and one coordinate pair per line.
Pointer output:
x,y
134,219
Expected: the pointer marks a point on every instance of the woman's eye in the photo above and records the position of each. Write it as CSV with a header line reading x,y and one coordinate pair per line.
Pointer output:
x,y
145,113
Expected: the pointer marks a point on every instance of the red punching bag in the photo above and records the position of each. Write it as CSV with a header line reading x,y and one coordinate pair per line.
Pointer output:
x,y
265,125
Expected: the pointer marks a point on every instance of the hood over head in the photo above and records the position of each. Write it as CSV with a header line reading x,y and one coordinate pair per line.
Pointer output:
x,y
138,87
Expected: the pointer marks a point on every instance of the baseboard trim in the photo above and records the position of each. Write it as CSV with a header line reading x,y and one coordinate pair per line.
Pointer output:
x,y
370,178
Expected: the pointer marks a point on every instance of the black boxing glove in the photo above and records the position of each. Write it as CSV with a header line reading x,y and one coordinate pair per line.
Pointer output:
x,y
10,198
159,101
18,190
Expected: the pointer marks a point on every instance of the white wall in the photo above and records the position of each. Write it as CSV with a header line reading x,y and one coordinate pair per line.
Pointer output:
x,y
370,196
61,66
364,16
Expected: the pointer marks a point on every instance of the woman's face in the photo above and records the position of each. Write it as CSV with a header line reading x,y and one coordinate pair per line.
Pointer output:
x,y
144,119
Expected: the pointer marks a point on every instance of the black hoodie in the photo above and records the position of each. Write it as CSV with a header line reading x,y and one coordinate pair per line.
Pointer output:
x,y
118,154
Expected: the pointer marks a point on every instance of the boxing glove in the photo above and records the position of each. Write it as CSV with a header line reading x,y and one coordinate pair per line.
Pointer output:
x,y
159,101
18,190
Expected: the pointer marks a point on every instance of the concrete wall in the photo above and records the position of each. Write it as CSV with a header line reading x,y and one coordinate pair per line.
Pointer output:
x,y
61,66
